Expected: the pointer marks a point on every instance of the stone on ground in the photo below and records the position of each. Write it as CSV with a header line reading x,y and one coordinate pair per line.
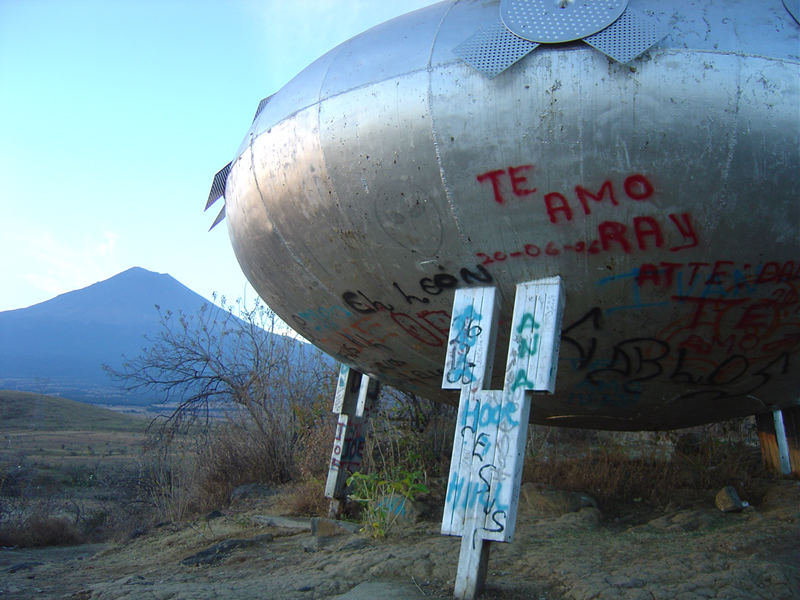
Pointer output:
x,y
384,590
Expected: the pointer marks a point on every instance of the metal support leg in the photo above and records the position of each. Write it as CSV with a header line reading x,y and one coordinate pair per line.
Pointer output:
x,y
779,434
491,427
783,445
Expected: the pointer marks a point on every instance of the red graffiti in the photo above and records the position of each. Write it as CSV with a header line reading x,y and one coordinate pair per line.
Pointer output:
x,y
518,181
494,177
637,187
556,203
585,195
614,234
735,278
417,330
749,309
645,233
687,231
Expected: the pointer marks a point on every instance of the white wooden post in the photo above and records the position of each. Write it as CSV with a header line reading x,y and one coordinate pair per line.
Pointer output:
x,y
491,426
355,396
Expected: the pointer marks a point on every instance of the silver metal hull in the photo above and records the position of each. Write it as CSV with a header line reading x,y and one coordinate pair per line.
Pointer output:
x,y
663,192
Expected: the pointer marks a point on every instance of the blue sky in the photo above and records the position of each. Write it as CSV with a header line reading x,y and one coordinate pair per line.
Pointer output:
x,y
114,117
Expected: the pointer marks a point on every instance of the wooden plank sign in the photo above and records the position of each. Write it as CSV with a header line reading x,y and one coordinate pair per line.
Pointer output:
x,y
470,348
491,426
355,395
468,364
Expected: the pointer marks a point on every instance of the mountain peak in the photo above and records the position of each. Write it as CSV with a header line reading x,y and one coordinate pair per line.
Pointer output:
x,y
68,337
117,298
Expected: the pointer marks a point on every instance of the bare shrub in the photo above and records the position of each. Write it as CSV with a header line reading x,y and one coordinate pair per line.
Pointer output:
x,y
16,479
167,481
197,471
410,433
308,499
240,452
249,394
41,531
224,358
39,525
314,446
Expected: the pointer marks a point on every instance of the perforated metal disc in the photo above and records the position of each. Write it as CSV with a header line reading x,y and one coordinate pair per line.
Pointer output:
x,y
554,21
493,49
627,37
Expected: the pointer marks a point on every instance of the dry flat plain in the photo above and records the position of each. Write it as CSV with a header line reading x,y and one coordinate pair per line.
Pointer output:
x,y
563,549
66,463
53,431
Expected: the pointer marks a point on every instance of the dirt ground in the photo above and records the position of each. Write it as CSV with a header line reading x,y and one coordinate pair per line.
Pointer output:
x,y
680,553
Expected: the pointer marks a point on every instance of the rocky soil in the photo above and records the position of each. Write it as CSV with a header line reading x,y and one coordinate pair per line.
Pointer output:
x,y
564,549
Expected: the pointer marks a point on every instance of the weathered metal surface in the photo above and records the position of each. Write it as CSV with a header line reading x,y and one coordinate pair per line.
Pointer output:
x,y
663,192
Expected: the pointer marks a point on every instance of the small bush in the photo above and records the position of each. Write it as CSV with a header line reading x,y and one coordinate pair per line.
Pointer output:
x,y
39,529
237,454
372,491
188,474
309,500
314,445
410,433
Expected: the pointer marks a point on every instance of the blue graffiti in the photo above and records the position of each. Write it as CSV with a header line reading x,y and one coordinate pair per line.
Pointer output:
x,y
479,415
637,297
468,331
464,492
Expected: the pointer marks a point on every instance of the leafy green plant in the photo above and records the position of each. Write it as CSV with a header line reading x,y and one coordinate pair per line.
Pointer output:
x,y
382,497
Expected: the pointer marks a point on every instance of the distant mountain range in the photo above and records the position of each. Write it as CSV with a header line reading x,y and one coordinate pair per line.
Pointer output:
x,y
59,346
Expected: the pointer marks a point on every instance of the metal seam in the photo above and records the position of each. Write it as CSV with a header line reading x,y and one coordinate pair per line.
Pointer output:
x,y
435,136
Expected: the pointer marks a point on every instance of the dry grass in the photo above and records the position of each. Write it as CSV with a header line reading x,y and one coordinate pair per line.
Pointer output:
x,y
309,500
657,470
39,530
314,446
23,411
197,472
237,454
58,521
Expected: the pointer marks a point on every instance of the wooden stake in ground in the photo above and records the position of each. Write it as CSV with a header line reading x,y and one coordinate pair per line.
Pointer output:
x,y
491,427
355,397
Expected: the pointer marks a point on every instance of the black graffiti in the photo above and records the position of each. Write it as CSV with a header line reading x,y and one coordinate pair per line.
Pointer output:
x,y
408,297
639,360
361,303
586,354
777,366
632,362
636,360
432,286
